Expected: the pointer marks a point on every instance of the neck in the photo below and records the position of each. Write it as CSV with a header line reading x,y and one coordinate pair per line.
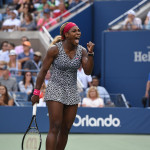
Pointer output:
x,y
13,61
26,52
28,81
4,50
27,22
93,98
67,45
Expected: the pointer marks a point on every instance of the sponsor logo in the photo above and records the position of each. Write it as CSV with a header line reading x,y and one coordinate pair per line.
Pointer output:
x,y
96,122
141,57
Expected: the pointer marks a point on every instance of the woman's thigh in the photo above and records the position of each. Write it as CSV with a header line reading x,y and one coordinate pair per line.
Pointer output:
x,y
69,115
55,110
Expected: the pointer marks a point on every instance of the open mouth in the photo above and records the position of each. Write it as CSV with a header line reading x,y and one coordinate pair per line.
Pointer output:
x,y
77,40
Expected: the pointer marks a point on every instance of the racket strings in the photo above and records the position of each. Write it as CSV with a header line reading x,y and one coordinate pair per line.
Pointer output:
x,y
32,140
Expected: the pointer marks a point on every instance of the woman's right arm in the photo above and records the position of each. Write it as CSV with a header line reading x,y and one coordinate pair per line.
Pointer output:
x,y
48,60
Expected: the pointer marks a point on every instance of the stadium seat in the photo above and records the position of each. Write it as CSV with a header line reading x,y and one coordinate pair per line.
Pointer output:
x,y
21,99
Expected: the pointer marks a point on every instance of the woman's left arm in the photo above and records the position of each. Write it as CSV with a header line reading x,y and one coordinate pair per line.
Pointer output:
x,y
11,102
88,58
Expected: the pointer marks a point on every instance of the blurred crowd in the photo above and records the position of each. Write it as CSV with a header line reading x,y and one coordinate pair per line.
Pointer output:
x,y
19,66
30,15
133,22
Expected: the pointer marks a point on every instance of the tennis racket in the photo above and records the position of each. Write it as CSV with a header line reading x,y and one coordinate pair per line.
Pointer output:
x,y
32,137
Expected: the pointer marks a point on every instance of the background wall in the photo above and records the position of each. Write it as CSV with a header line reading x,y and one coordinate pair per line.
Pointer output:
x,y
125,68
105,12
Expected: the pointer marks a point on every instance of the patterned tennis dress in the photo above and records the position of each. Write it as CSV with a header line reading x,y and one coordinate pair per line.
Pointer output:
x,y
62,86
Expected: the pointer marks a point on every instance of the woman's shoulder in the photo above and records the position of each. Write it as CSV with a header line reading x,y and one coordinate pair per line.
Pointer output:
x,y
81,47
20,83
53,49
86,98
99,99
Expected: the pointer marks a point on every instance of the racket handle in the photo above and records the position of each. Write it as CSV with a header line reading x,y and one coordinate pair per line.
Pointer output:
x,y
34,109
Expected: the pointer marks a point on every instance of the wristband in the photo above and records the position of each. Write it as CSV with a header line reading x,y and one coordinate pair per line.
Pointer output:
x,y
91,54
36,92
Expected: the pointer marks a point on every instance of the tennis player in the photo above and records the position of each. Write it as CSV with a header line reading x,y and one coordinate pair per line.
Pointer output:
x,y
61,96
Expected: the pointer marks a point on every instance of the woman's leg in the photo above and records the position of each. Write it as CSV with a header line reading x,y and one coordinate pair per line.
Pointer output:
x,y
55,110
68,119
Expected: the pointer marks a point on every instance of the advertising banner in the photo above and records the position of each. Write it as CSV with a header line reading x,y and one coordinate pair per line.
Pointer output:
x,y
88,120
126,63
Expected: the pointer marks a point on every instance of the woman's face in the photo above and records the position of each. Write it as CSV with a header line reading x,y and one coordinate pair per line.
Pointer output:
x,y
27,18
2,90
5,46
28,76
8,11
9,46
26,8
74,35
92,93
12,57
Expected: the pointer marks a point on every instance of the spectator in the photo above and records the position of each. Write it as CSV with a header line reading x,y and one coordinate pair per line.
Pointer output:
x,y
5,98
26,55
43,3
2,63
11,46
44,21
15,4
41,13
50,4
147,21
28,24
34,64
8,81
101,90
12,23
56,11
147,97
7,14
56,39
132,22
62,10
85,79
19,48
14,64
42,94
42,103
27,84
93,99
26,10
24,2
47,77
4,53
74,3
